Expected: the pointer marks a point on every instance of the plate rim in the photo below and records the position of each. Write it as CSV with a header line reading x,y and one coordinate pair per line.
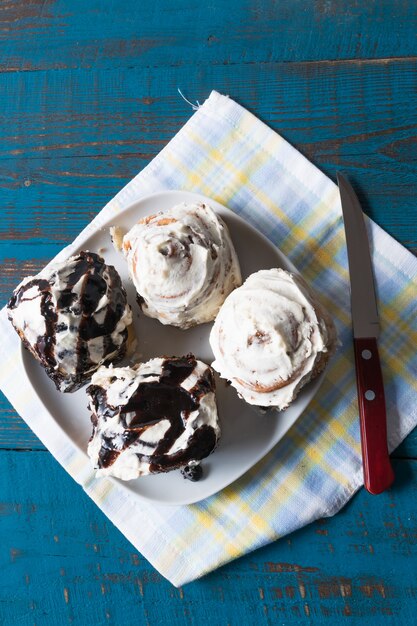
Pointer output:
x,y
182,196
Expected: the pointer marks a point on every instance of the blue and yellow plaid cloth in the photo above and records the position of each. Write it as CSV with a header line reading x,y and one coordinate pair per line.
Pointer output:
x,y
226,153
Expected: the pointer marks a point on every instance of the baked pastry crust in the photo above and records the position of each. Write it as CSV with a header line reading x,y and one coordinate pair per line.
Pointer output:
x,y
271,337
182,263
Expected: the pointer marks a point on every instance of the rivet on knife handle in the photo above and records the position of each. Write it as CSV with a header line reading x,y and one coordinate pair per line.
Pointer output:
x,y
377,470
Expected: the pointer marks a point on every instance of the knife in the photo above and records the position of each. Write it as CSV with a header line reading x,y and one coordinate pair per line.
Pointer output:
x,y
377,471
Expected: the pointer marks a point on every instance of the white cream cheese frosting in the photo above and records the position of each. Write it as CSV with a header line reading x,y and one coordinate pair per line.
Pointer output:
x,y
72,316
271,337
182,263
155,417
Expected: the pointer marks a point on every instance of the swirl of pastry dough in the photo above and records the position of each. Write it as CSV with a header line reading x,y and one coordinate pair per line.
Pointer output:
x,y
271,337
182,263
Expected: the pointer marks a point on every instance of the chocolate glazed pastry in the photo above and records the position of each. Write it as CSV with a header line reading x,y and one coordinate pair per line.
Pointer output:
x,y
157,417
72,317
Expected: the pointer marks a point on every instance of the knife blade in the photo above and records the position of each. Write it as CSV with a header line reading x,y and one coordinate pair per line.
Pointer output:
x,y
377,469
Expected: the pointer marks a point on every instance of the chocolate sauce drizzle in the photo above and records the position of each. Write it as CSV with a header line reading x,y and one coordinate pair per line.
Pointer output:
x,y
80,305
45,344
155,401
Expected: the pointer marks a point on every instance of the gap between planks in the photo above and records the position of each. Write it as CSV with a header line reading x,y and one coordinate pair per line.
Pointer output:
x,y
320,62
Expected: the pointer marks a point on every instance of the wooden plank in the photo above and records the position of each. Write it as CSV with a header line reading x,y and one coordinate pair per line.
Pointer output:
x,y
72,139
69,139
58,168
48,34
63,561
14,432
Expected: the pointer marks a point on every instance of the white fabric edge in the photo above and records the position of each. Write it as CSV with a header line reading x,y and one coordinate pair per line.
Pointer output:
x,y
231,111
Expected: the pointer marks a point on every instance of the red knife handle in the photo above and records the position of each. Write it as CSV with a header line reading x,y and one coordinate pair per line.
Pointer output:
x,y
377,470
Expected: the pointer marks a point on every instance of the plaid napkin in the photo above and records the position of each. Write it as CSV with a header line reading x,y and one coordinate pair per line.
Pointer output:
x,y
226,153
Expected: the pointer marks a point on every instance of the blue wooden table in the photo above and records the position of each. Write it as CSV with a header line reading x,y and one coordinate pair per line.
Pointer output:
x,y
89,96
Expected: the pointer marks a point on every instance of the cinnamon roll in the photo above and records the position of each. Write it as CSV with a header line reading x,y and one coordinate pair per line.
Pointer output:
x,y
155,417
183,264
271,337
72,317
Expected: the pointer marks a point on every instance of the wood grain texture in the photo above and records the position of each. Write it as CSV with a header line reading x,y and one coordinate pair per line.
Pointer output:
x,y
89,97
66,155
75,567
57,34
80,135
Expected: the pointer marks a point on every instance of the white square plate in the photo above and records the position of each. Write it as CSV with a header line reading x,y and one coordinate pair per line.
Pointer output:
x,y
246,435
